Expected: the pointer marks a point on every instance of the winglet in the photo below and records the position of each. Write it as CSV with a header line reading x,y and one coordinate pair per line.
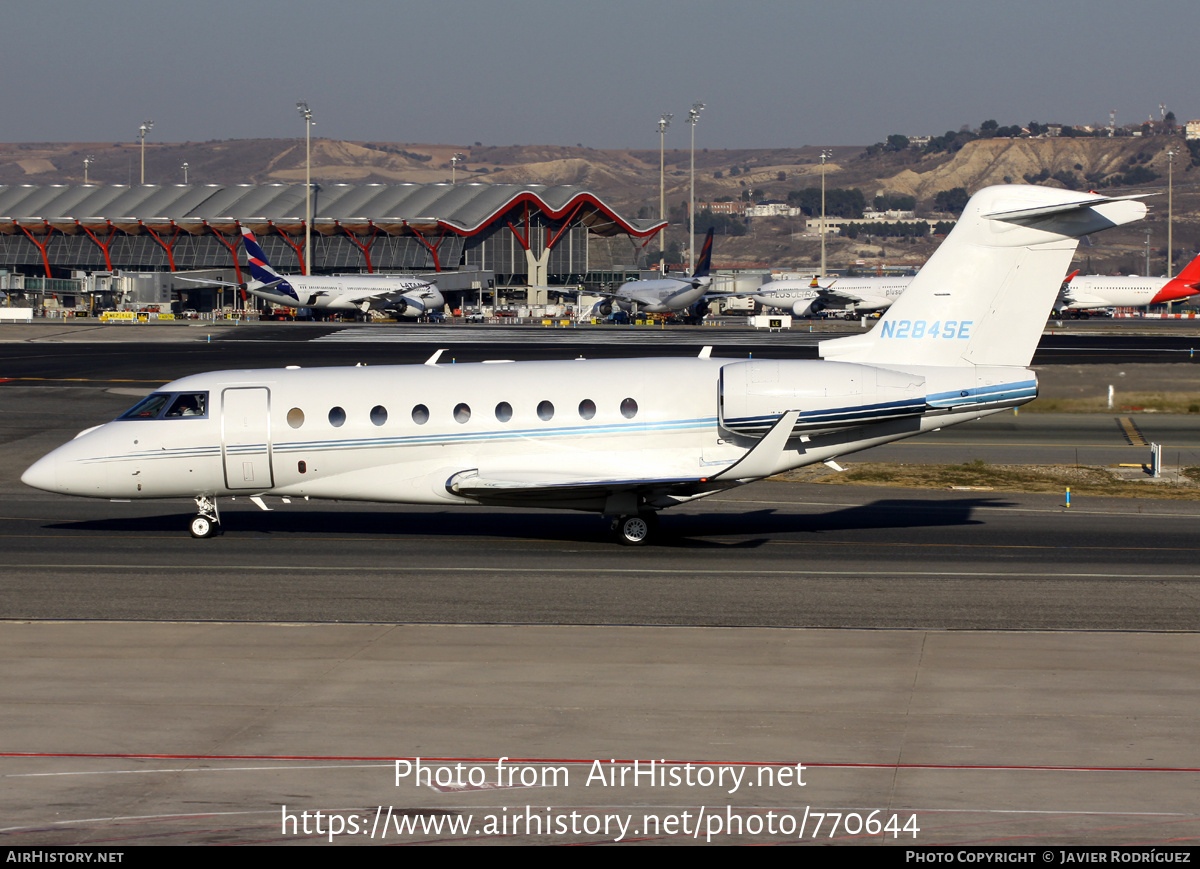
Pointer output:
x,y
764,458
432,360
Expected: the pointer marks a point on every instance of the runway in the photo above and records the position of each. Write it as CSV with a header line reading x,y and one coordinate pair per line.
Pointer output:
x,y
997,666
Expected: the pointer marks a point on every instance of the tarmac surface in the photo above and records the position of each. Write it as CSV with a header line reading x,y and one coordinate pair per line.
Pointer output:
x,y
998,667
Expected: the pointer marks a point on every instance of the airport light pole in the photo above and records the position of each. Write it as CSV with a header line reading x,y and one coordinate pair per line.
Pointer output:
x,y
664,121
87,161
825,155
454,161
1170,212
145,128
693,118
306,113
184,167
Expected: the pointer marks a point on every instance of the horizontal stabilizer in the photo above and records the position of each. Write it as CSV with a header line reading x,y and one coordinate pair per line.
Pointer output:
x,y
1060,208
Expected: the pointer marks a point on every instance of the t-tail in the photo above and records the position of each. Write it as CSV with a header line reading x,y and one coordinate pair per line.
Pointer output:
x,y
984,296
262,270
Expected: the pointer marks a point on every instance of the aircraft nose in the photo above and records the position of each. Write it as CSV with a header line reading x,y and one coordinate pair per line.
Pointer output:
x,y
42,474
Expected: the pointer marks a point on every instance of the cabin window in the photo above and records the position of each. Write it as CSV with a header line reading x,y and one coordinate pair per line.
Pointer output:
x,y
546,411
149,407
337,417
587,408
379,414
295,417
462,412
629,408
188,404
420,414
302,467
504,411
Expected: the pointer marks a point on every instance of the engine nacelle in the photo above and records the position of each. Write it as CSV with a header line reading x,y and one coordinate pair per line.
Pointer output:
x,y
699,310
829,395
807,307
601,309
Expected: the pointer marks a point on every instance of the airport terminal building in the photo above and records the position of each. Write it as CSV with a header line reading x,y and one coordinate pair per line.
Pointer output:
x,y
531,235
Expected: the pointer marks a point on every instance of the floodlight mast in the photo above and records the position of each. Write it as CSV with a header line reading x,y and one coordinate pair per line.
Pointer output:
x,y
664,121
454,161
145,128
306,113
184,167
693,118
1170,215
87,161
825,155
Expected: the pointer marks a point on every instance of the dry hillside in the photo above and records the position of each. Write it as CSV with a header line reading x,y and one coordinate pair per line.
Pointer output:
x,y
629,179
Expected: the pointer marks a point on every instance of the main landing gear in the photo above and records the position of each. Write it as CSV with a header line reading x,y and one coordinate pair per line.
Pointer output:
x,y
207,521
635,529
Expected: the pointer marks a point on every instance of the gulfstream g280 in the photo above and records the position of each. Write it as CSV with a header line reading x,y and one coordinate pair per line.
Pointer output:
x,y
623,438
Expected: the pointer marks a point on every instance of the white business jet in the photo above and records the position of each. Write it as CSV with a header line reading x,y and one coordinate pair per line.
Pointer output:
x,y
404,296
1081,293
626,437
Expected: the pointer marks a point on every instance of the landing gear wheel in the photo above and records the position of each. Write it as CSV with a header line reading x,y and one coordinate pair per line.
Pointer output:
x,y
635,530
203,526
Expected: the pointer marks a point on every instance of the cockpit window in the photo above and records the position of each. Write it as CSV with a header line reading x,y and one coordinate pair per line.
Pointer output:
x,y
188,404
149,407
170,405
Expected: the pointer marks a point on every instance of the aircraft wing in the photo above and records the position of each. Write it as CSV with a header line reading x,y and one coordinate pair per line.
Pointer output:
x,y
639,298
210,283
250,287
533,487
377,295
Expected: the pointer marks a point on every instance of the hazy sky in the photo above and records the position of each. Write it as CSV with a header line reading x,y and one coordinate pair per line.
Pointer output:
x,y
773,73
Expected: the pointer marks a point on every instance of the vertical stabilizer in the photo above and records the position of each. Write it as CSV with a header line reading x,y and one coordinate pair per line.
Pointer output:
x,y
984,296
704,264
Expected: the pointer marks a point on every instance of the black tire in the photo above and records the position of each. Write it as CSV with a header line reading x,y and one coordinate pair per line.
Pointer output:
x,y
202,527
637,529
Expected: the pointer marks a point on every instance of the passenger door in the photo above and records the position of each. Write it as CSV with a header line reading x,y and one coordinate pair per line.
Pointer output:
x,y
246,437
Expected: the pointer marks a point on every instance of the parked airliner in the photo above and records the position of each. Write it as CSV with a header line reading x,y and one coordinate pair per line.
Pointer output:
x,y
404,296
663,295
624,438
1086,292
851,295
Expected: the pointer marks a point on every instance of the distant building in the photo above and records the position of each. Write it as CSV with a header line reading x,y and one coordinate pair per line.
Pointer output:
x,y
1191,130
736,208
772,209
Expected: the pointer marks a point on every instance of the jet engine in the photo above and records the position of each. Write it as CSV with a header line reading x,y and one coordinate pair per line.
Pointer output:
x,y
807,307
601,309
